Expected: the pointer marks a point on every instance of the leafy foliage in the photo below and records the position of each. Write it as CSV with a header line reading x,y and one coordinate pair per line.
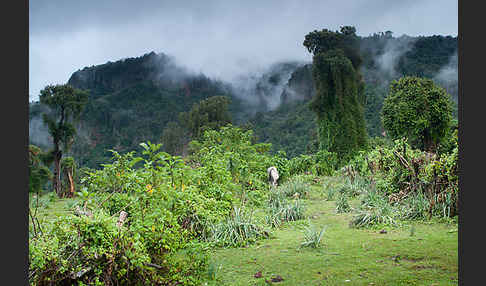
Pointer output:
x,y
407,177
338,102
210,113
229,158
321,42
419,110
66,104
39,173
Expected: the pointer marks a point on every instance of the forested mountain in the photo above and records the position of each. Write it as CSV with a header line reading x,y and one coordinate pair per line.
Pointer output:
x,y
133,100
385,58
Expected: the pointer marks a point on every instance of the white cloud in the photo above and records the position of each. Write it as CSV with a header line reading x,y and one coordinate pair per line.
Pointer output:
x,y
219,38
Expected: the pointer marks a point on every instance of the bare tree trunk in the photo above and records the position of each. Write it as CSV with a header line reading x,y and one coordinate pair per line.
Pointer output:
x,y
56,180
71,183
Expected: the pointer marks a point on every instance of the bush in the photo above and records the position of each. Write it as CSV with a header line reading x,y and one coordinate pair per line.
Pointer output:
x,y
418,109
330,193
414,207
39,173
322,163
170,207
397,171
88,250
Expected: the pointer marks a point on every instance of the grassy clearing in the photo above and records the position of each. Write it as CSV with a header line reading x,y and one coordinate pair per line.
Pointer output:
x,y
50,207
414,253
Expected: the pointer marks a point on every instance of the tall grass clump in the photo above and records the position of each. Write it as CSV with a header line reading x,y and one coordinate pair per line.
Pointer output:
x,y
357,186
342,205
281,210
374,210
295,187
414,207
238,230
331,193
312,236
382,214
290,211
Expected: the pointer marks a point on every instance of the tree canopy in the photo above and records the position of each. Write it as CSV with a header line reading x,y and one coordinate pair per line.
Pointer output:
x,y
325,40
210,113
418,109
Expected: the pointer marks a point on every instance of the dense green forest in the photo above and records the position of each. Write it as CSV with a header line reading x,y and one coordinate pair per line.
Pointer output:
x,y
133,100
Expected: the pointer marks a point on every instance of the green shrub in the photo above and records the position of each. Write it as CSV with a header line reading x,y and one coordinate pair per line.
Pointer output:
x,y
397,171
322,163
88,250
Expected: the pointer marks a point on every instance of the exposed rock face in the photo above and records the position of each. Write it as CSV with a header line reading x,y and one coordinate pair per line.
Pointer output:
x,y
113,76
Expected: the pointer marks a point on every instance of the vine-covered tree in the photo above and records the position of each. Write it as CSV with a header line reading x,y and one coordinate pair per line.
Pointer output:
x,y
66,104
339,98
210,113
418,109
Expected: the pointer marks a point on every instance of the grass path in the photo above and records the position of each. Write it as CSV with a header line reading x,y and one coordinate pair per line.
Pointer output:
x,y
348,256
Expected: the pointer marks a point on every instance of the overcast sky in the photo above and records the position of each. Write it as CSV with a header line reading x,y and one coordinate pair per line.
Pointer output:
x,y
222,39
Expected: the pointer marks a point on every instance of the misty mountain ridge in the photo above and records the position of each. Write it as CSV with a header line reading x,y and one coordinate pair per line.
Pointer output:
x,y
133,99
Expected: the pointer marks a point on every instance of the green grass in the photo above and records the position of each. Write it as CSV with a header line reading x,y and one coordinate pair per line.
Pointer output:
x,y
362,256
51,207
412,253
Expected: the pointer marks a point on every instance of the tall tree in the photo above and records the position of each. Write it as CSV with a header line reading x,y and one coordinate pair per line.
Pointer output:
x,y
210,113
339,99
66,104
418,109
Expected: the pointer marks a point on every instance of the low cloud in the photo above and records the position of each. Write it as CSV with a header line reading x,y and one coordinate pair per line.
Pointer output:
x,y
222,39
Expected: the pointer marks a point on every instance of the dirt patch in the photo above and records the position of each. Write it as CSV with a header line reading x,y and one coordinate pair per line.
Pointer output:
x,y
412,259
421,267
